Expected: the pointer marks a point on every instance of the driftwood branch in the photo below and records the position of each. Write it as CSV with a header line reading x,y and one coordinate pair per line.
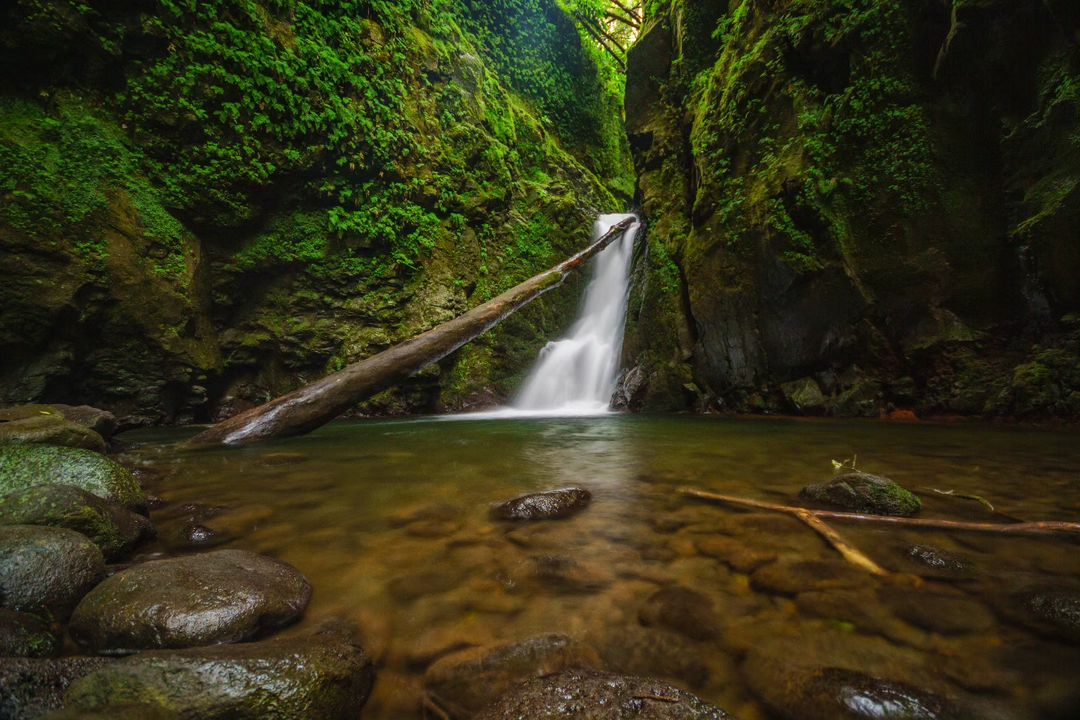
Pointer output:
x,y
1041,527
626,9
314,405
852,554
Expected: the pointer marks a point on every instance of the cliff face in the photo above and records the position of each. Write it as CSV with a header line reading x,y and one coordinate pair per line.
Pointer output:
x,y
858,205
203,205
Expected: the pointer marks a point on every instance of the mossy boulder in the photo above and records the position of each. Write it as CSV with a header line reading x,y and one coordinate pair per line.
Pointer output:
x,y
217,597
50,430
865,493
26,635
111,527
323,675
31,687
585,695
45,568
804,395
26,466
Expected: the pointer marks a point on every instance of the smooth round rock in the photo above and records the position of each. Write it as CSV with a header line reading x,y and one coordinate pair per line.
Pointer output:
x,y
546,505
111,527
585,695
31,687
218,597
26,466
465,682
323,675
865,493
26,635
100,421
44,568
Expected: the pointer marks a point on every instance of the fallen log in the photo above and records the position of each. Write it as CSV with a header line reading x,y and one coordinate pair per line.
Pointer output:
x,y
314,405
1040,527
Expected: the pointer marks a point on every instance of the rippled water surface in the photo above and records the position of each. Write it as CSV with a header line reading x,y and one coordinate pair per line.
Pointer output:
x,y
389,521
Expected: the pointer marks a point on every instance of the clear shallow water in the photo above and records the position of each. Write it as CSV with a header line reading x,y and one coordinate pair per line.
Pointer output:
x,y
388,519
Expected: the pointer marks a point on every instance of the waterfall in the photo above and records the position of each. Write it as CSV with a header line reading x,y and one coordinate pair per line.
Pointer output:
x,y
576,374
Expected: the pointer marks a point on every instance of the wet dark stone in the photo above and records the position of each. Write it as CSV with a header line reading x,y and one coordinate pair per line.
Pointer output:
x,y
26,635
123,711
938,560
681,610
46,568
31,687
321,675
466,681
217,597
865,493
1052,613
111,527
852,694
547,505
196,535
586,695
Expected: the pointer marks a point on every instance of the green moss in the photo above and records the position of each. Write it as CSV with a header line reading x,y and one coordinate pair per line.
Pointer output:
x,y
27,466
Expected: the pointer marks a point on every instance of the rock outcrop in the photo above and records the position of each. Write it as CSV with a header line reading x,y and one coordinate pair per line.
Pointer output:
x,y
852,210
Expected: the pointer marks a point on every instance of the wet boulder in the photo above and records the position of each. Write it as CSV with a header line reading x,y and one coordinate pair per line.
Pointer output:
x,y
864,493
111,527
546,505
26,635
636,650
44,568
31,687
321,675
26,466
51,430
217,597
122,711
839,694
586,695
101,422
465,682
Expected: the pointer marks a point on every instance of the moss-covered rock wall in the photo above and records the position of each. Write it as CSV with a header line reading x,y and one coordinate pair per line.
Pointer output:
x,y
204,204
857,206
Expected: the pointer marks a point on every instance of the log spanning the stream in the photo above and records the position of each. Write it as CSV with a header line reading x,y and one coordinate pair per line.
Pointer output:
x,y
314,405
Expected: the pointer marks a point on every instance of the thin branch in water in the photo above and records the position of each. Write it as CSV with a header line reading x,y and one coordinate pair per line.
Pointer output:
x,y
952,493
1039,527
852,554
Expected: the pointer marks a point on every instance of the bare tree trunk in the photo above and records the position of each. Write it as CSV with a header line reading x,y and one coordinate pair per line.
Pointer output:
x,y
314,405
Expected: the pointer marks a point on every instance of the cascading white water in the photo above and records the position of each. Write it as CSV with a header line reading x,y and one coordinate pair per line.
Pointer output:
x,y
576,374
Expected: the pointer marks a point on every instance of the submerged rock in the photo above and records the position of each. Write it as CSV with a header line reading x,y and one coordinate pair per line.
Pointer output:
x,y
45,568
51,430
547,505
31,687
1054,614
217,597
322,675
790,577
585,695
944,614
865,493
111,527
26,635
938,560
682,610
466,681
26,466
636,650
